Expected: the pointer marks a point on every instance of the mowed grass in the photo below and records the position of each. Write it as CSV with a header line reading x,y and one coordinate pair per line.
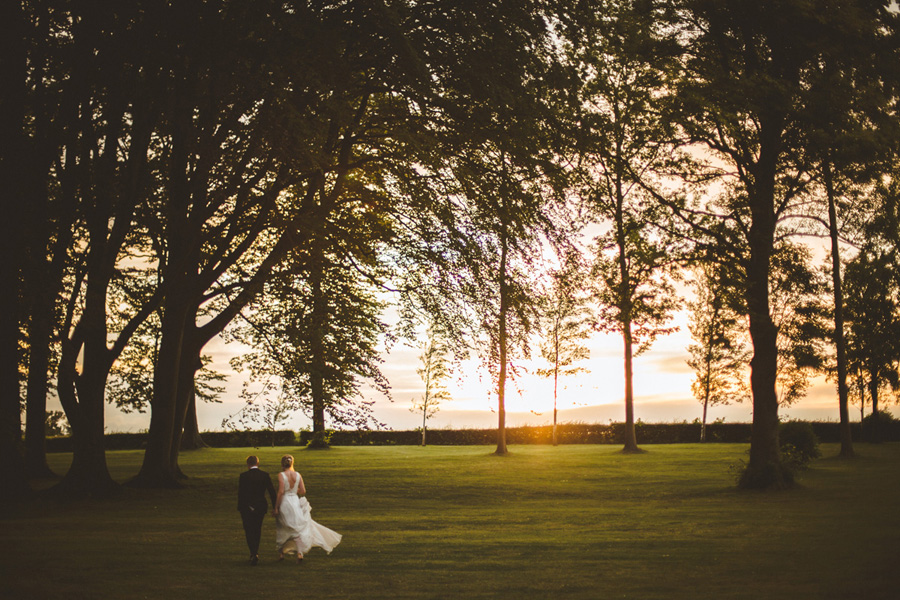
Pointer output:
x,y
459,522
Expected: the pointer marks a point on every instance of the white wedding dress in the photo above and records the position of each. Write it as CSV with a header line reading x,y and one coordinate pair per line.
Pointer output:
x,y
295,531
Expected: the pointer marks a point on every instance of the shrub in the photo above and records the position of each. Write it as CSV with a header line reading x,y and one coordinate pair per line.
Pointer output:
x,y
877,427
799,444
320,440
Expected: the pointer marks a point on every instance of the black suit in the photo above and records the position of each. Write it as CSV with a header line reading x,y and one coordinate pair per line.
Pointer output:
x,y
252,504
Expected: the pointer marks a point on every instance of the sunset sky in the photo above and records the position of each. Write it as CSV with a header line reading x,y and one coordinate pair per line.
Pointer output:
x,y
662,383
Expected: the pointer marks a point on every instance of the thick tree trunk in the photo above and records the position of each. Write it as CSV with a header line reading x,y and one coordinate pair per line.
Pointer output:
x,y
191,349
157,468
873,390
12,110
36,395
765,469
82,397
839,341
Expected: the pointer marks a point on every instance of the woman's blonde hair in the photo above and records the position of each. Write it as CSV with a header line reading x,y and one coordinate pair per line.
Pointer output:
x,y
287,461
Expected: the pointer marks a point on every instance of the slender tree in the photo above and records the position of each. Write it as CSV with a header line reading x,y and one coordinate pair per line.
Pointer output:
x,y
617,48
873,319
719,355
434,370
566,322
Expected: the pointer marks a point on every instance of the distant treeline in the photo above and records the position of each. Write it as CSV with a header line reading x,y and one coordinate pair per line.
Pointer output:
x,y
613,433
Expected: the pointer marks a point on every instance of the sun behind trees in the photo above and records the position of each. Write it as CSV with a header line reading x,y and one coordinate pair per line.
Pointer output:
x,y
178,167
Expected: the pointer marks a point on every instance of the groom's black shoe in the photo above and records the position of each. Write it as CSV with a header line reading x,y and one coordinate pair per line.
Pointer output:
x,y
253,560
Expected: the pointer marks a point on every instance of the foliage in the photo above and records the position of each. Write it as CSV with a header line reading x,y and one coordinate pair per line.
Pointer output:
x,y
879,426
719,355
566,322
315,331
799,444
802,319
56,423
873,323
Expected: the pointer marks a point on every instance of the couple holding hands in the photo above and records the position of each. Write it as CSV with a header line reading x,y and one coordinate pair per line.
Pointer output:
x,y
295,531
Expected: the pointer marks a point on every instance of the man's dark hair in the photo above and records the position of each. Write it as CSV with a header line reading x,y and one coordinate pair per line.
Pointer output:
x,y
252,461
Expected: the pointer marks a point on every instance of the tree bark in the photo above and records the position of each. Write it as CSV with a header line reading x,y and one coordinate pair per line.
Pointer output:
x,y
765,469
502,341
630,433
157,468
625,306
12,110
839,340
191,439
39,334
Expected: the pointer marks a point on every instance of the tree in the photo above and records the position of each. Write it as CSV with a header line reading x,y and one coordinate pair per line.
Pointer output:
x,y
487,187
873,322
854,125
317,324
616,49
434,370
261,408
745,79
801,319
719,355
565,322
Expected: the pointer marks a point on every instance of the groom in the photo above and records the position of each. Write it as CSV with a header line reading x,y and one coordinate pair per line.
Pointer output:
x,y
252,489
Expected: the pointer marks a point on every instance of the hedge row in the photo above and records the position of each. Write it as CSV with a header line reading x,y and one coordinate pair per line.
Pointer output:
x,y
569,433
214,439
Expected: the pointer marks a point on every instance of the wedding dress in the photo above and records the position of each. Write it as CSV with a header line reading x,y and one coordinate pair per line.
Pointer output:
x,y
295,531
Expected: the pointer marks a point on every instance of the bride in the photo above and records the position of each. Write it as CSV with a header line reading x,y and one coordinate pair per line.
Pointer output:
x,y
295,531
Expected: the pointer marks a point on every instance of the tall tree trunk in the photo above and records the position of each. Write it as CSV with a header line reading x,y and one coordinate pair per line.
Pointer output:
x,y
703,422
424,422
765,469
873,389
502,341
83,395
630,433
12,165
157,468
625,305
317,376
839,342
39,337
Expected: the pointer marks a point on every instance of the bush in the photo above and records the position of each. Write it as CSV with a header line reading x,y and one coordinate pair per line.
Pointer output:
x,y
878,427
799,444
320,440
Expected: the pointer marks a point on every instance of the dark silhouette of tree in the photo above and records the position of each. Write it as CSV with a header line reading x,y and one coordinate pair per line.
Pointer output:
x,y
316,329
746,78
873,320
618,49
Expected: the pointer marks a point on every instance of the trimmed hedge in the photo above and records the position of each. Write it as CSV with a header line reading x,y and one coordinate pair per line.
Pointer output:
x,y
214,439
568,433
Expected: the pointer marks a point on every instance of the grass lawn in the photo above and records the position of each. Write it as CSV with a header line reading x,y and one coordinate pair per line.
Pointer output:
x,y
458,522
